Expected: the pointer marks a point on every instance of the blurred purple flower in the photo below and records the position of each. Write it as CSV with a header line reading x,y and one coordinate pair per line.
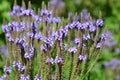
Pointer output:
x,y
109,40
56,20
114,63
117,49
117,77
56,4
4,50
1,78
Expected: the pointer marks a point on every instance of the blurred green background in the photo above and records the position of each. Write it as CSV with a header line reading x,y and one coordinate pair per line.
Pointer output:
x,y
110,13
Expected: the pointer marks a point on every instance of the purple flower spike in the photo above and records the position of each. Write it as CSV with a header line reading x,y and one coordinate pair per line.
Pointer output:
x,y
21,68
99,45
38,77
86,36
7,35
50,60
63,31
24,77
56,20
84,25
16,63
22,39
7,69
38,36
58,59
1,78
10,39
28,55
72,50
30,34
37,18
77,40
48,40
16,7
82,57
44,47
5,28
45,12
99,22
92,28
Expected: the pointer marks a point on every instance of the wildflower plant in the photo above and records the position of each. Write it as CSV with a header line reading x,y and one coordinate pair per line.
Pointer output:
x,y
44,46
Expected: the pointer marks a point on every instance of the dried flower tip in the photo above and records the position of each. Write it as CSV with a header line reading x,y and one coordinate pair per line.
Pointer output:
x,y
77,40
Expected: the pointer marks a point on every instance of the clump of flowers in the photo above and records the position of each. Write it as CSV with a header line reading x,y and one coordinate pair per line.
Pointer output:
x,y
113,66
40,42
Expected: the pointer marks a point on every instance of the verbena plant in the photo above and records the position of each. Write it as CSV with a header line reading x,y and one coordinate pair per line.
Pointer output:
x,y
43,46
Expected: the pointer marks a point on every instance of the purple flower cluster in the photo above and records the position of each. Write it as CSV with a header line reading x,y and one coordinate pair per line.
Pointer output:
x,y
7,69
18,65
114,63
29,54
